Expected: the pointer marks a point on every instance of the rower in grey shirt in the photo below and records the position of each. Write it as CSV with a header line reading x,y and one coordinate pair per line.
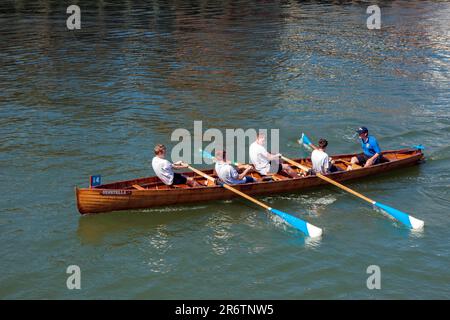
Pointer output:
x,y
227,173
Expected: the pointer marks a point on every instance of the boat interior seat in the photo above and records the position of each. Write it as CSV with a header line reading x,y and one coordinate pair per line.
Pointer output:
x,y
278,177
179,186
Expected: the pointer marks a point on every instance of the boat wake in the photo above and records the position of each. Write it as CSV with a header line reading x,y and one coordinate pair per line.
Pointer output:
x,y
315,207
172,209
312,206
323,201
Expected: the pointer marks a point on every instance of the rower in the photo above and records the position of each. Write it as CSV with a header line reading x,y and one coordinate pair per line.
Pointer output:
x,y
267,163
321,162
164,169
227,173
371,151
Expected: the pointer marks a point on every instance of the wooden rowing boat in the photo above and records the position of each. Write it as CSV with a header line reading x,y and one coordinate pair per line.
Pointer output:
x,y
151,192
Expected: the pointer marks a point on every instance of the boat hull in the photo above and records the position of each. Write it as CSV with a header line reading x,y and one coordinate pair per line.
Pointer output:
x,y
119,196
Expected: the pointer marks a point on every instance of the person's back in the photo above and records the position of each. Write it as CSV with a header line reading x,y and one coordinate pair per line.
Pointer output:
x,y
258,157
227,173
266,163
163,169
320,161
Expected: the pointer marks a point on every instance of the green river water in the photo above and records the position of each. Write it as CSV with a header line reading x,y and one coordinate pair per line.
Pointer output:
x,y
96,101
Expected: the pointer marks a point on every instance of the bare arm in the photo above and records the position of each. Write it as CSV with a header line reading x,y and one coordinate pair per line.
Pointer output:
x,y
179,165
244,173
313,146
271,156
371,160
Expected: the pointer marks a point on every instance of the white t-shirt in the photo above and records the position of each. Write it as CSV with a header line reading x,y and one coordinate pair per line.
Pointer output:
x,y
320,161
163,170
227,173
258,157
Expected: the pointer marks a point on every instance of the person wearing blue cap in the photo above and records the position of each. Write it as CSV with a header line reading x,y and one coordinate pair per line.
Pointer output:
x,y
371,151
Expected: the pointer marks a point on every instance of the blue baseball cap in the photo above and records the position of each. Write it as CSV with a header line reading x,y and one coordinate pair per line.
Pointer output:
x,y
362,130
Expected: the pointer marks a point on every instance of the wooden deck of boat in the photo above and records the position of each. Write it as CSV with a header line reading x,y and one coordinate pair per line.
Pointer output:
x,y
150,191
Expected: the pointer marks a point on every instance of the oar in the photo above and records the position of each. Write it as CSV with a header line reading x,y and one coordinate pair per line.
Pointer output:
x,y
404,218
305,227
304,140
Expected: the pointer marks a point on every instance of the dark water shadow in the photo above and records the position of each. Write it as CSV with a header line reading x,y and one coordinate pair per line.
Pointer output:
x,y
93,229
179,220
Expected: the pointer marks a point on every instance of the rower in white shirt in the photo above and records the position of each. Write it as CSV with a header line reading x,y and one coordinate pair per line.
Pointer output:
x,y
164,169
267,163
227,173
321,162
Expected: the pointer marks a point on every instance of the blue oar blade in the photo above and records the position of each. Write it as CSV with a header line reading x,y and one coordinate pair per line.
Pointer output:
x,y
404,218
305,227
206,155
304,140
